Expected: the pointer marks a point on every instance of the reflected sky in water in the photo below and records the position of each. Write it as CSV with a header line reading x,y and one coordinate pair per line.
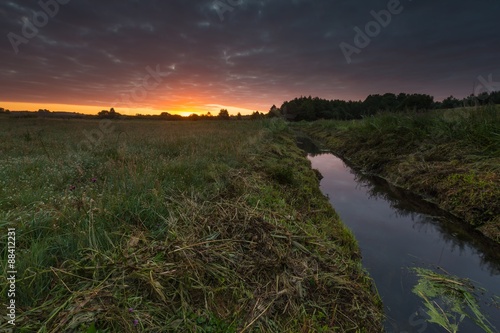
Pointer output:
x,y
397,230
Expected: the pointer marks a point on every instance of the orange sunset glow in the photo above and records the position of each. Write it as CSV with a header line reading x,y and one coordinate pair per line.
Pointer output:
x,y
182,109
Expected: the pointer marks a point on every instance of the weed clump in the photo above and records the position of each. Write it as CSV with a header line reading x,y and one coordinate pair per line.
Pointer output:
x,y
449,300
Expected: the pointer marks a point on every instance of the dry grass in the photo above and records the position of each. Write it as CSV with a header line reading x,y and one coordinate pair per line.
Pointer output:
x,y
199,227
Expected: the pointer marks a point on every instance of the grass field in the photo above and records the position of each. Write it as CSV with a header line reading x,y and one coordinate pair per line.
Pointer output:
x,y
137,226
451,157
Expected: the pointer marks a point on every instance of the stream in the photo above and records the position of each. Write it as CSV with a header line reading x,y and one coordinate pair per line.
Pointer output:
x,y
396,231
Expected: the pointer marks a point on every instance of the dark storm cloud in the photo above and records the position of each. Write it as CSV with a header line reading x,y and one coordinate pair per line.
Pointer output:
x,y
92,52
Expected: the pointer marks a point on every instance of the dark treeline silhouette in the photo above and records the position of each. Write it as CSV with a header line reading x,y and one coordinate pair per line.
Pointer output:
x,y
223,115
309,108
112,114
302,108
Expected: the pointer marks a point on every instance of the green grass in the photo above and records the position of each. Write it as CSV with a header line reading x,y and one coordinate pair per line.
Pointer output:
x,y
451,157
175,227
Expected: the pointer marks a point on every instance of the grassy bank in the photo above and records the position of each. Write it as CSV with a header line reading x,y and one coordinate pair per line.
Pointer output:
x,y
450,157
174,227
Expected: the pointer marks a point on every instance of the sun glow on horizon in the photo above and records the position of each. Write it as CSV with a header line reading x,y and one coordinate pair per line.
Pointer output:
x,y
183,110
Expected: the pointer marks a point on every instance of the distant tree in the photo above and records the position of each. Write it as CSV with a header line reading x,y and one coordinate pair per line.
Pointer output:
x,y
450,103
495,97
111,114
307,110
256,115
238,116
103,114
2,110
387,102
170,117
223,114
415,102
274,112
176,117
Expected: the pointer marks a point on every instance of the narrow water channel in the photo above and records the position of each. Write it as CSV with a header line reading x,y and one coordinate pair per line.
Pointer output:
x,y
395,231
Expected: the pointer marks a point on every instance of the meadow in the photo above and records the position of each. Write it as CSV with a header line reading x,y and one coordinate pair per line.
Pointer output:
x,y
449,157
155,226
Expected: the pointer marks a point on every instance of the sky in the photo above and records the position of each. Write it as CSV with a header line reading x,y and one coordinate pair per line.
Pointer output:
x,y
197,56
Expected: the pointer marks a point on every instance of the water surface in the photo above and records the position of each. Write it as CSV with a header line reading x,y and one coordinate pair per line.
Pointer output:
x,y
397,230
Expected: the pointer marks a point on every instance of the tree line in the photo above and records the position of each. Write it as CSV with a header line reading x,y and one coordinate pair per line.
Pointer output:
x,y
309,108
113,114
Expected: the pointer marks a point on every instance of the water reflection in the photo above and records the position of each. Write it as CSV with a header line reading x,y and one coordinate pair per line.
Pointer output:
x,y
397,230
426,217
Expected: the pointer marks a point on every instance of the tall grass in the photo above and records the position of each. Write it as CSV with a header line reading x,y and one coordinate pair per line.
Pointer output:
x,y
475,128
